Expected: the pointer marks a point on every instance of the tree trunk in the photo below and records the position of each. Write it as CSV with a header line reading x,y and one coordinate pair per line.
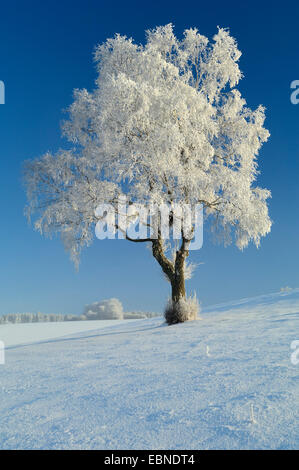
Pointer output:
x,y
175,311
178,280
178,290
175,273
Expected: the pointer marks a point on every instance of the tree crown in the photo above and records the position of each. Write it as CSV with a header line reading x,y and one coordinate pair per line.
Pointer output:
x,y
164,124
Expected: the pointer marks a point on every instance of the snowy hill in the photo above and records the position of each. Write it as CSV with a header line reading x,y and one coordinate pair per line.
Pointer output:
x,y
142,385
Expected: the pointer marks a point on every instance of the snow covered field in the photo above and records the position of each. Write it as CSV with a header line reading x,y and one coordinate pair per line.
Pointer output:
x,y
143,385
24,333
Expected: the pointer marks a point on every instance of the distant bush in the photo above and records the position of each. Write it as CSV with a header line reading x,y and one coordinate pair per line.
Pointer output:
x,y
110,309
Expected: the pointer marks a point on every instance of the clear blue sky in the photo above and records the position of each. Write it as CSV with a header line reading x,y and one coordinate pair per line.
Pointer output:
x,y
45,52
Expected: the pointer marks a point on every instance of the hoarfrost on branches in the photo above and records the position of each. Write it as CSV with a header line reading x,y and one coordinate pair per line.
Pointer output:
x,y
164,124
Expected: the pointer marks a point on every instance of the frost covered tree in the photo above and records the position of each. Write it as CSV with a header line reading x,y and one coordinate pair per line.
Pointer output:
x,y
164,124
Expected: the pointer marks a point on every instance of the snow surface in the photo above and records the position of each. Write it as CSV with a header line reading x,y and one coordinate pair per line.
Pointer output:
x,y
22,333
143,385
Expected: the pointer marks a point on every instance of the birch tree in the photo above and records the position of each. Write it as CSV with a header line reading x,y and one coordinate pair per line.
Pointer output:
x,y
165,124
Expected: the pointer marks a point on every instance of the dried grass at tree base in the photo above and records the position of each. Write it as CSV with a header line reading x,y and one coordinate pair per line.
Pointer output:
x,y
181,311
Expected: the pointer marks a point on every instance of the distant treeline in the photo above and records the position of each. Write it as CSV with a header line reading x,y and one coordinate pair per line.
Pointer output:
x,y
38,318
54,317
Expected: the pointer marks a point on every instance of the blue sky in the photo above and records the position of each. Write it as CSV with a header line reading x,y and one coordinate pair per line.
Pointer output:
x,y
45,52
